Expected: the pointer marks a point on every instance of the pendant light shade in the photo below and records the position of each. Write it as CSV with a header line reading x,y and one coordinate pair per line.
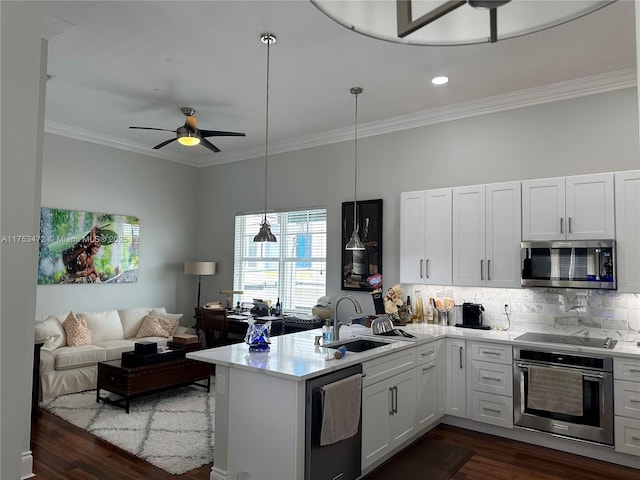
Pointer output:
x,y
354,242
265,234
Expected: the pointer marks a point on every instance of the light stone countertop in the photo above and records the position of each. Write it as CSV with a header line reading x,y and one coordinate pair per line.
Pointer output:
x,y
295,357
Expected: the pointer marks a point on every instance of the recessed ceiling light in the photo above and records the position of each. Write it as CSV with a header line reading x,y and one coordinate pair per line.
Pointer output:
x,y
440,80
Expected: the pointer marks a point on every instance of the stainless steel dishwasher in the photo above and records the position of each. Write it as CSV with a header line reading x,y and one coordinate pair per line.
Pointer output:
x,y
338,461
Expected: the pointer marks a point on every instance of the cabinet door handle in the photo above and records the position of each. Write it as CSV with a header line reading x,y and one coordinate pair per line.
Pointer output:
x,y
635,437
421,261
488,269
561,219
390,400
569,231
488,352
426,369
460,357
494,410
634,370
424,354
481,269
634,400
428,272
486,377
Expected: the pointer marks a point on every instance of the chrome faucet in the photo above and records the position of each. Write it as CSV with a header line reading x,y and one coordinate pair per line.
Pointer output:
x,y
334,314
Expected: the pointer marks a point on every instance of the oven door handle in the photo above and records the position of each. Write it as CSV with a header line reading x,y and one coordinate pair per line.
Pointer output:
x,y
598,376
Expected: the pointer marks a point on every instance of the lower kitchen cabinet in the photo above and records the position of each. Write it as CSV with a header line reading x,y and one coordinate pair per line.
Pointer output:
x,y
626,393
456,380
430,383
388,411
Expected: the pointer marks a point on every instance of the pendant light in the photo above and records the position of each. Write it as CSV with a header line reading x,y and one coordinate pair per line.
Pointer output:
x,y
354,242
265,235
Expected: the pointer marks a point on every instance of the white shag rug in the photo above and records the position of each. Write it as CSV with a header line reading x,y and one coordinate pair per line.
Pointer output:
x,y
173,430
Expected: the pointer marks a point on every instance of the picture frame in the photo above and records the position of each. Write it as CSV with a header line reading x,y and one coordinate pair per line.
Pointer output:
x,y
359,266
78,247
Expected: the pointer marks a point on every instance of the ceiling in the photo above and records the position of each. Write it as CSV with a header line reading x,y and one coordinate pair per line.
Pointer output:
x,y
118,64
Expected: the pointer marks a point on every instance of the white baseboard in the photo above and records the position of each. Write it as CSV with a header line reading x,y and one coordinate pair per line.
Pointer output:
x,y
26,465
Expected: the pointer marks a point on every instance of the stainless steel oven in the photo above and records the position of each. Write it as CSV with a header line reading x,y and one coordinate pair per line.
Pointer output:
x,y
564,393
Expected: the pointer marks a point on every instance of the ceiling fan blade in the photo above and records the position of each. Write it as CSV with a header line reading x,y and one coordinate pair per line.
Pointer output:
x,y
153,128
206,143
166,142
218,133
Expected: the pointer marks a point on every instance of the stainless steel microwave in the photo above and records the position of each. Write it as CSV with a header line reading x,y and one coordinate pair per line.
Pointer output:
x,y
569,264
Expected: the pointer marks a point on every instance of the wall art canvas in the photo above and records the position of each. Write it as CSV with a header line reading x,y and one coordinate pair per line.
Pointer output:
x,y
362,270
87,247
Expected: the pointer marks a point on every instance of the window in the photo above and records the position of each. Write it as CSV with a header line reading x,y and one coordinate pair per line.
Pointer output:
x,y
292,269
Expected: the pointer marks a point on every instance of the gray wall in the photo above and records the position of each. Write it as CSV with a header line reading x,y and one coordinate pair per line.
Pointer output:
x,y
83,176
22,100
597,133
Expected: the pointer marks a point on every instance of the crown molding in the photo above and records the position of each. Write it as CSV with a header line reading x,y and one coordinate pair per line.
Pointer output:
x,y
520,99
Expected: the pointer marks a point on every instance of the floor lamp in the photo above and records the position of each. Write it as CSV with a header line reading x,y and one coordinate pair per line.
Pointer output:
x,y
199,269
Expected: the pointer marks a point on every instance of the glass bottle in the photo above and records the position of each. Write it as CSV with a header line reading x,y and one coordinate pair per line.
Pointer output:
x,y
278,307
327,333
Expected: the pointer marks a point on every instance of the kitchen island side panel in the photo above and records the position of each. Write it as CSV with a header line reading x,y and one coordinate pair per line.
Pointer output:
x,y
266,426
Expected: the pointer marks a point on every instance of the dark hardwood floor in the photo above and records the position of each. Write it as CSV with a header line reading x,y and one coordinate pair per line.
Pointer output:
x,y
64,452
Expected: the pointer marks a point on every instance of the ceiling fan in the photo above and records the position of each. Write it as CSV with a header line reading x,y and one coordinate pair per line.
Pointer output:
x,y
190,135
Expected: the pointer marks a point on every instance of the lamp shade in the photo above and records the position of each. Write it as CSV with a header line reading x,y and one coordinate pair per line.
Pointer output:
x,y
200,268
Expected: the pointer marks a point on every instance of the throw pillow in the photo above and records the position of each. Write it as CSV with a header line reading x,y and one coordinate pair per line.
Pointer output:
x,y
50,332
162,313
77,331
156,327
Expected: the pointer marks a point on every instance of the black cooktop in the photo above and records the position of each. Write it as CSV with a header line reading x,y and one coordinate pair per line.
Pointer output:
x,y
567,340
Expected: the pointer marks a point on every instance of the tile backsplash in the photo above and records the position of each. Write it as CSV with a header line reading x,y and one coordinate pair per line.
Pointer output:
x,y
593,313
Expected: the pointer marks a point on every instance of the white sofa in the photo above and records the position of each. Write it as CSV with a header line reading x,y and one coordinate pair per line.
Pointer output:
x,y
69,369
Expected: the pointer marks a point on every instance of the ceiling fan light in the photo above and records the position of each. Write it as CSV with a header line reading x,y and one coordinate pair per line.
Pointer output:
x,y
354,242
265,235
189,141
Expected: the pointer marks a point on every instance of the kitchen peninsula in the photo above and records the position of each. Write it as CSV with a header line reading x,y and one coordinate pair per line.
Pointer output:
x,y
260,398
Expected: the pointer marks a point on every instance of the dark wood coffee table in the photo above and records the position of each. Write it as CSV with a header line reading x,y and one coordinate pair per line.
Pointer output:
x,y
134,382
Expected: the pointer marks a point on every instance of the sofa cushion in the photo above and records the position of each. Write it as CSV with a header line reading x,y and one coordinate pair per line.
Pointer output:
x,y
104,325
114,348
67,358
51,332
131,319
158,312
76,330
153,326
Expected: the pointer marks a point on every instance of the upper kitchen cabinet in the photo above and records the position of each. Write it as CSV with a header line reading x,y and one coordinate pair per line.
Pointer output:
x,y
628,230
425,237
486,235
568,208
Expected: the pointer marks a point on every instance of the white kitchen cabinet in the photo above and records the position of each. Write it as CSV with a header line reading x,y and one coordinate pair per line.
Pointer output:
x,y
456,383
425,237
429,384
486,235
490,383
626,394
568,208
388,409
627,187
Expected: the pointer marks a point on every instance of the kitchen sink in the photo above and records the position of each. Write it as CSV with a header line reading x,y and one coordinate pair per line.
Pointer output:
x,y
359,345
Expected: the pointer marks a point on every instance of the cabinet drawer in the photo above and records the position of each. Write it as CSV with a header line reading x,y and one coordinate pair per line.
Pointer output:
x,y
490,378
626,398
491,352
627,436
493,409
427,353
387,366
626,369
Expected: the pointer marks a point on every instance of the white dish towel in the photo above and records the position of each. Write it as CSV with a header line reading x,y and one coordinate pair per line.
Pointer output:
x,y
341,409
555,390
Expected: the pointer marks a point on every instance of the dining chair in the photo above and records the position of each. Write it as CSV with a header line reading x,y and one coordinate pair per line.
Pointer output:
x,y
215,327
